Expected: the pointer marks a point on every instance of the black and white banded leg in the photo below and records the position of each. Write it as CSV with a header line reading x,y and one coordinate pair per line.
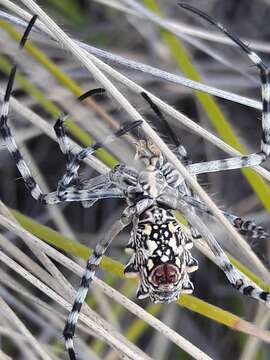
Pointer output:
x,y
88,275
61,133
74,164
252,159
245,227
238,280
60,129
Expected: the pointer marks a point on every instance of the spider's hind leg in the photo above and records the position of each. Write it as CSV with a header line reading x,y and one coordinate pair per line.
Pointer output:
x,y
247,228
237,279
88,275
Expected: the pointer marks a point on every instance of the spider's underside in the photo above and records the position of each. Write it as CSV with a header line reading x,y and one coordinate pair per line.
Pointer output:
x,y
159,248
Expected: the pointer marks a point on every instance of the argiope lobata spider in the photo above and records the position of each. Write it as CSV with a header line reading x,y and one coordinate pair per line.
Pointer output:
x,y
160,248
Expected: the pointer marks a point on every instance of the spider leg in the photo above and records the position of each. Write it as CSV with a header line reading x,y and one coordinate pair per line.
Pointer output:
x,y
62,137
8,138
61,133
245,227
72,194
237,162
235,277
252,159
88,203
88,275
74,165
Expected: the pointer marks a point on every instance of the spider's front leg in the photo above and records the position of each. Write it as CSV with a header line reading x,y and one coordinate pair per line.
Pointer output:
x,y
251,159
8,138
88,275
61,133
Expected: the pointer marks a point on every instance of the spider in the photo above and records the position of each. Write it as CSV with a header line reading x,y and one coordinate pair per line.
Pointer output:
x,y
159,246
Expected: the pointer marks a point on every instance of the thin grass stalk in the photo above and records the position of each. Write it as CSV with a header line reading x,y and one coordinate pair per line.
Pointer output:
x,y
46,128
11,316
109,291
197,44
116,296
55,280
201,33
252,345
75,89
52,109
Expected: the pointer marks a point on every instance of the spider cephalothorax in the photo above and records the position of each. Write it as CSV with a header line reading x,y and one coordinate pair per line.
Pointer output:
x,y
160,256
158,244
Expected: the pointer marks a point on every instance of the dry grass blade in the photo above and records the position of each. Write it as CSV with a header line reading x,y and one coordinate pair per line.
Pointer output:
x,y
252,346
36,120
190,30
4,356
11,316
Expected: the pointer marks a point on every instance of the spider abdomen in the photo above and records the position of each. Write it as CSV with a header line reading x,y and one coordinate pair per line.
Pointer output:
x,y
161,256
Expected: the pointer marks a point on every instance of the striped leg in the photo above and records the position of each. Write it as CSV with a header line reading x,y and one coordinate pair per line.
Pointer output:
x,y
74,165
71,194
238,280
24,170
64,143
237,162
252,159
60,130
245,227
8,138
88,275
